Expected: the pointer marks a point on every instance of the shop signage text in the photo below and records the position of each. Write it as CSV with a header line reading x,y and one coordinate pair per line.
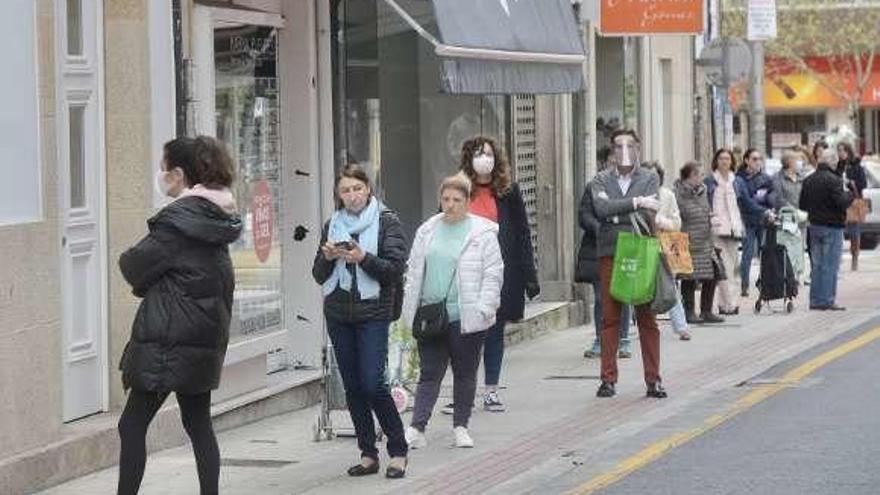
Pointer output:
x,y
623,17
762,20
263,220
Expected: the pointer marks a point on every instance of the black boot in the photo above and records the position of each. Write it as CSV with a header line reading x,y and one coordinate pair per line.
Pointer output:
x,y
688,287
707,301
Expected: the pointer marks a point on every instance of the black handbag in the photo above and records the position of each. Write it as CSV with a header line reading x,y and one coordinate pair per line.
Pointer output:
x,y
432,320
719,273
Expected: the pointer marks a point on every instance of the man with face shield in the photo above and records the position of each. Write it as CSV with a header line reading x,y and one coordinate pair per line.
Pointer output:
x,y
624,189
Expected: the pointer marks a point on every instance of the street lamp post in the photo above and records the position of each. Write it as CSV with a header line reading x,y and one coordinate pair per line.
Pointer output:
x,y
757,118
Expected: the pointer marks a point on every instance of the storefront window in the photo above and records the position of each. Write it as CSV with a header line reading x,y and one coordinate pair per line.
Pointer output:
x,y
247,116
397,124
793,129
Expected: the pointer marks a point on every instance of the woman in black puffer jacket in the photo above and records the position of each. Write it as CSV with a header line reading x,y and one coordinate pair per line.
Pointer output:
x,y
183,272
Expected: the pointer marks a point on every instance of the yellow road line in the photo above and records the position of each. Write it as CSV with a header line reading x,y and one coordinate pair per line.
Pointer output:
x,y
657,449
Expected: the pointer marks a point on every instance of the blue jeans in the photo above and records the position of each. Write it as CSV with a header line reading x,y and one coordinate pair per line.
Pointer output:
x,y
678,317
493,352
362,353
751,245
826,244
625,317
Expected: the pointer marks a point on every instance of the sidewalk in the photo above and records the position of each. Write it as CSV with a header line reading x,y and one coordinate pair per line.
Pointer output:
x,y
552,412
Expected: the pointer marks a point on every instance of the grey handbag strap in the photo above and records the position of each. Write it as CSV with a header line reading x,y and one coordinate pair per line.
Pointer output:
x,y
639,225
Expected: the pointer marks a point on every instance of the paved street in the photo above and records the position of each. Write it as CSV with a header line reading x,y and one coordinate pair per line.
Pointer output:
x,y
557,436
818,438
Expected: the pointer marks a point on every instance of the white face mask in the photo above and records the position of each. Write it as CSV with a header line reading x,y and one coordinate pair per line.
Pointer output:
x,y
799,165
161,185
483,164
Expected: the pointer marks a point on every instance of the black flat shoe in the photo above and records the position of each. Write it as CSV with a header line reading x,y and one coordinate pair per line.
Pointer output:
x,y
360,470
729,312
693,319
606,390
395,473
835,307
711,318
819,308
656,391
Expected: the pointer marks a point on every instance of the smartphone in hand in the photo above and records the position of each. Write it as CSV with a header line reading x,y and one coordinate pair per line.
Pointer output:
x,y
346,245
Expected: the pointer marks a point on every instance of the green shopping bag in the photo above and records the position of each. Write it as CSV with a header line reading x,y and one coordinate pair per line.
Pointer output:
x,y
636,258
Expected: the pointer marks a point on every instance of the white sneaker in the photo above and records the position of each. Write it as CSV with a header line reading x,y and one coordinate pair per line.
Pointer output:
x,y
415,439
462,439
492,402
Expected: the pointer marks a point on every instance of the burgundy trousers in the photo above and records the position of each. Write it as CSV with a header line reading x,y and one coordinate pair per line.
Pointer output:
x,y
649,333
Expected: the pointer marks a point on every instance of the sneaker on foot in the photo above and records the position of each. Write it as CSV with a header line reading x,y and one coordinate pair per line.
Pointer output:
x,y
462,439
492,403
625,351
593,352
656,391
415,438
448,409
606,390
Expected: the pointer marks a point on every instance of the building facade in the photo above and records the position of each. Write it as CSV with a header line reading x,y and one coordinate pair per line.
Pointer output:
x,y
296,88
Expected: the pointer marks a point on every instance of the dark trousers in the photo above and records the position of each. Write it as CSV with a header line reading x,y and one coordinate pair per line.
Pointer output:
x,y
463,351
362,354
493,353
649,333
707,295
195,412
625,319
752,244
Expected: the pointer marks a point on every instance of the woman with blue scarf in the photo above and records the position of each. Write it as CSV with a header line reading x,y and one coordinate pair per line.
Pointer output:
x,y
360,265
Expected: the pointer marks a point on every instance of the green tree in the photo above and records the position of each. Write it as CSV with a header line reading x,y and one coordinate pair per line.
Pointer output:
x,y
845,33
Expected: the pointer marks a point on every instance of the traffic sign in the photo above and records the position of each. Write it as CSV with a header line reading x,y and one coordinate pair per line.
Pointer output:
x,y
726,61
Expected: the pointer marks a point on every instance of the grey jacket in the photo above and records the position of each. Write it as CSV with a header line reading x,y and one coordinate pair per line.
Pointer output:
x,y
788,192
693,203
612,208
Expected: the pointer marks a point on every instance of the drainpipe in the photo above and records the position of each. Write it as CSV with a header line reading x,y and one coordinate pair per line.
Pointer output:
x,y
180,70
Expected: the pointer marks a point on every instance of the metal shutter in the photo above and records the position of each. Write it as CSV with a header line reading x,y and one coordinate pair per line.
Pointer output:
x,y
525,152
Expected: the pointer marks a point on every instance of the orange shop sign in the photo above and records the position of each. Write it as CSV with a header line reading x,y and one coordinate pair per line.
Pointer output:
x,y
794,91
623,17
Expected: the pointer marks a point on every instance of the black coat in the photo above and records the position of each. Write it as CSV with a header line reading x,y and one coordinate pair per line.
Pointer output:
x,y
183,272
587,268
386,267
824,198
515,239
855,172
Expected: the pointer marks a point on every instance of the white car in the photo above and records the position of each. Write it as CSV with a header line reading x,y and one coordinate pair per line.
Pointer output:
x,y
871,227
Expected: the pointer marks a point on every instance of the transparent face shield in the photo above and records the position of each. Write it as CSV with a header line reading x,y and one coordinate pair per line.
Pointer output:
x,y
625,152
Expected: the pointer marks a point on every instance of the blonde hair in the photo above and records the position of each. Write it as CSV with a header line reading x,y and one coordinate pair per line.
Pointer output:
x,y
789,157
458,182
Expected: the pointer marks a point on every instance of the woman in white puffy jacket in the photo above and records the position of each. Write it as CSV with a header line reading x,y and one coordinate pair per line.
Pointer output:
x,y
455,258
668,219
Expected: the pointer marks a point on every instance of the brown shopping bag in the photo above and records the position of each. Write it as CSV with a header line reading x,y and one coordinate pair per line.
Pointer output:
x,y
676,249
857,211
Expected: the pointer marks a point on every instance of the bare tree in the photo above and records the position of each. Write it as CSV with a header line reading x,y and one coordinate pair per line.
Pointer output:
x,y
833,41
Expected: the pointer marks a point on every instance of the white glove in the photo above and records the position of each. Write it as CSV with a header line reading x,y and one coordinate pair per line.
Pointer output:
x,y
646,202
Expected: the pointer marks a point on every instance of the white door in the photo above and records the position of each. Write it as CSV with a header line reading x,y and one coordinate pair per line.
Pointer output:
x,y
80,161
